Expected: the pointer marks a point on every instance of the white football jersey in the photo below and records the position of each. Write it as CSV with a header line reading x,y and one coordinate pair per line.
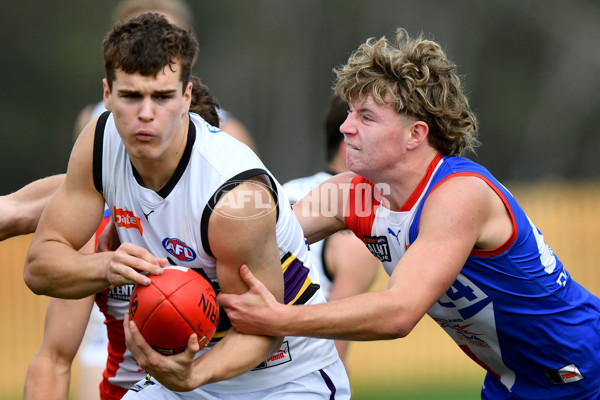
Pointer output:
x,y
173,223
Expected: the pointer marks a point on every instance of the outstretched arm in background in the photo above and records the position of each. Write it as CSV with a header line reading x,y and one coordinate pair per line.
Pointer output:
x,y
20,211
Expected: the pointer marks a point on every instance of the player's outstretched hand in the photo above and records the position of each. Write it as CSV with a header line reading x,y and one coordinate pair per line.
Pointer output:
x,y
174,372
254,312
129,262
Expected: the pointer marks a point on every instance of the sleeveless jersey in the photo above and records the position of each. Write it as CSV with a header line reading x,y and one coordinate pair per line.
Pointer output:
x,y
103,343
295,190
514,310
173,223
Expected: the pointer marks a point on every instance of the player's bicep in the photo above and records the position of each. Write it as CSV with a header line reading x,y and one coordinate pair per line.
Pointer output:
x,y
242,230
75,211
448,230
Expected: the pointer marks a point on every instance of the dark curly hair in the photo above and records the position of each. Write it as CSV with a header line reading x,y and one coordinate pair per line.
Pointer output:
x,y
146,44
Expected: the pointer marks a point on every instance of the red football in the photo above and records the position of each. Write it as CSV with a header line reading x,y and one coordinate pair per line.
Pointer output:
x,y
175,305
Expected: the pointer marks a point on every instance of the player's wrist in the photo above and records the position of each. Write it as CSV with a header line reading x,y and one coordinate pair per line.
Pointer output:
x,y
283,321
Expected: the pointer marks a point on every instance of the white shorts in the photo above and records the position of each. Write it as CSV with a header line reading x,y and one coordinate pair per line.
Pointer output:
x,y
329,383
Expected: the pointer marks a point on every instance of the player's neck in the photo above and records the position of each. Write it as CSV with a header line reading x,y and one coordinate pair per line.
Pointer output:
x,y
400,183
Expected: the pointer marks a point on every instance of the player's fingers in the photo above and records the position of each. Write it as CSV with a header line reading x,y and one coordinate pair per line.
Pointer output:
x,y
136,343
141,259
224,300
130,264
249,278
194,345
120,274
127,328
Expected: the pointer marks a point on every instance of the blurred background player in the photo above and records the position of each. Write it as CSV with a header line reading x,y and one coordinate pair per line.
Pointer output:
x,y
346,267
102,356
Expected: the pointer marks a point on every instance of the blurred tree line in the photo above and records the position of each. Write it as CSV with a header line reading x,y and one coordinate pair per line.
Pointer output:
x,y
532,70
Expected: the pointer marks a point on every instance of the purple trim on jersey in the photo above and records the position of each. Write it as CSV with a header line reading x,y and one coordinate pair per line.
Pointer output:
x,y
329,383
294,277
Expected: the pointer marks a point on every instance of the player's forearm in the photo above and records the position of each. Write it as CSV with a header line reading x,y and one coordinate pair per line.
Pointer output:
x,y
46,379
11,221
234,355
369,316
54,269
22,209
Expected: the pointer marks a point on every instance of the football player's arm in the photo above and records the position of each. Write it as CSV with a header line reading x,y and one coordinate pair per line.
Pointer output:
x,y
235,238
49,373
321,212
455,218
20,211
53,265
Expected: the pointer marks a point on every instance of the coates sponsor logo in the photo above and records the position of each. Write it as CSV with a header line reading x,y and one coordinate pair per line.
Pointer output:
x,y
253,196
126,219
378,246
179,249
281,356
567,374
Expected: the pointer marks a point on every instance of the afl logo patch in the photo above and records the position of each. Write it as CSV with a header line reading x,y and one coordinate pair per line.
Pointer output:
x,y
179,249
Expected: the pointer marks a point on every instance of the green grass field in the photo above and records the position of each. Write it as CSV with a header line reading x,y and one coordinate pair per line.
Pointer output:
x,y
472,392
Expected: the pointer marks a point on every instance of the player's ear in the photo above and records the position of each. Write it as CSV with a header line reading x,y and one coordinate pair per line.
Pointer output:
x,y
187,97
106,94
418,133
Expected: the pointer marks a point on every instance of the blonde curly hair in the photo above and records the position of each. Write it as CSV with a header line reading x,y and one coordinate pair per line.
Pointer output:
x,y
415,77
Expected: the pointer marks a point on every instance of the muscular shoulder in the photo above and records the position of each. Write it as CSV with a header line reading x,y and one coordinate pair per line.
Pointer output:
x,y
468,204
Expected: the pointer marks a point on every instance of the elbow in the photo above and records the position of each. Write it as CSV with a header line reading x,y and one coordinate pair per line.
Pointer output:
x,y
32,283
401,327
33,280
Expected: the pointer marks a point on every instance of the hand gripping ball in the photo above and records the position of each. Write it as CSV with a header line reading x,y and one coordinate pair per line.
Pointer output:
x,y
175,305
